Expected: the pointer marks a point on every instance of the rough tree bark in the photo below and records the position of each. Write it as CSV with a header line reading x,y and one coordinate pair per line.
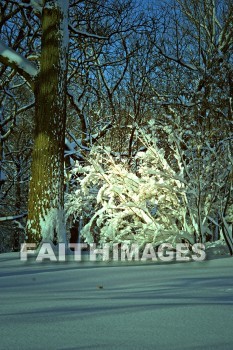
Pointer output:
x,y
46,192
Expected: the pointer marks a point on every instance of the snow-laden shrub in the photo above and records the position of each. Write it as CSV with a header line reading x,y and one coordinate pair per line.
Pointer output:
x,y
204,165
174,192
125,206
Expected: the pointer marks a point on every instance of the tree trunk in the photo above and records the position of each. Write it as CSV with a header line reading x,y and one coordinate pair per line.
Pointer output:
x,y
46,192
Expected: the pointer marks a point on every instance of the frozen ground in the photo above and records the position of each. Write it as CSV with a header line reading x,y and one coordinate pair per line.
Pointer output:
x,y
140,306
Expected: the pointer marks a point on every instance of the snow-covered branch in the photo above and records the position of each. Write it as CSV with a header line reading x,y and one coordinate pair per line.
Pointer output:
x,y
24,67
11,218
36,5
86,34
178,60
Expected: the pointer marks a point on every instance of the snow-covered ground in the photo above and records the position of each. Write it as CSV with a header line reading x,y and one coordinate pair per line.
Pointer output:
x,y
84,305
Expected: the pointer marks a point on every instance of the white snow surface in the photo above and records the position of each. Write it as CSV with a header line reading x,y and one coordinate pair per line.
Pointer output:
x,y
96,305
